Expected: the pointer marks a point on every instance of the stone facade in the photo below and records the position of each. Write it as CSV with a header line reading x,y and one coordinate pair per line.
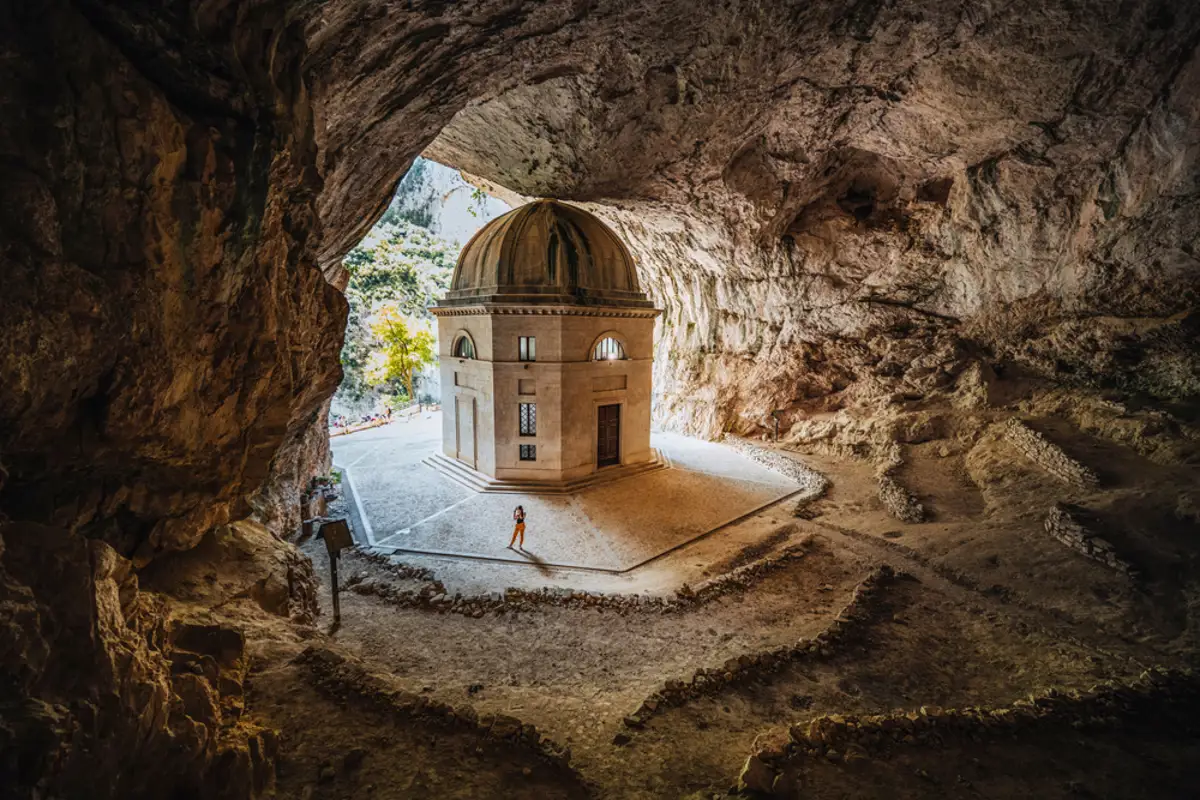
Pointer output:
x,y
533,296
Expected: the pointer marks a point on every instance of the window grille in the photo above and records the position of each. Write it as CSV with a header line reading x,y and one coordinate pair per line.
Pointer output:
x,y
609,349
529,452
527,348
528,419
464,348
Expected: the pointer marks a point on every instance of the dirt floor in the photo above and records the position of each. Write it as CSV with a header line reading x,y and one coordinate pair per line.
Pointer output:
x,y
987,610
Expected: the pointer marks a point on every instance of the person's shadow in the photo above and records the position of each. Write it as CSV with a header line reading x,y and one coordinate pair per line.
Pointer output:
x,y
539,563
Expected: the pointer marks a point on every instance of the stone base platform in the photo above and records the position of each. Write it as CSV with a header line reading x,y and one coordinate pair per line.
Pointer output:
x,y
459,472
403,505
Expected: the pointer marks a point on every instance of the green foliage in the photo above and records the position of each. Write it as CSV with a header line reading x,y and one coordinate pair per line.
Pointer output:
x,y
400,265
479,200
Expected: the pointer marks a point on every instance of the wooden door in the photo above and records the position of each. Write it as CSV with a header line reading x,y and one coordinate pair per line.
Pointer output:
x,y
464,429
608,435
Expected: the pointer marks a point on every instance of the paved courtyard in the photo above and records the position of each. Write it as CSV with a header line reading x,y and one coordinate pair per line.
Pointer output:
x,y
406,506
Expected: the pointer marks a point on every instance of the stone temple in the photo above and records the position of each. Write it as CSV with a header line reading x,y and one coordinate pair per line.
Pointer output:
x,y
546,348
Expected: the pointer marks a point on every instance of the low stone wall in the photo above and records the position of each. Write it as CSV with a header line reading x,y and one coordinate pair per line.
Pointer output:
x,y
1066,529
899,501
345,679
399,569
846,627
812,483
356,428
1003,594
741,577
434,597
1167,699
1048,455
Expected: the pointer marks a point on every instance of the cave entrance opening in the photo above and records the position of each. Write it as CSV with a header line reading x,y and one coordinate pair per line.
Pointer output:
x,y
395,273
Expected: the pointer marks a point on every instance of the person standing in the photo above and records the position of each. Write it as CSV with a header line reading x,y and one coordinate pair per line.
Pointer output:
x,y
518,527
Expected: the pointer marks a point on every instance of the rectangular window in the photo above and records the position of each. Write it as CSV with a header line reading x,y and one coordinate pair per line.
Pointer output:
x,y
528,419
529,452
527,348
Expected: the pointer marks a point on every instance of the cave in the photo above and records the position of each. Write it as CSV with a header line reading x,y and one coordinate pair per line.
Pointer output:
x,y
936,266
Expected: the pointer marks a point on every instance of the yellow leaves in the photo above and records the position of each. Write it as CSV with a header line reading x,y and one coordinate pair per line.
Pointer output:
x,y
406,347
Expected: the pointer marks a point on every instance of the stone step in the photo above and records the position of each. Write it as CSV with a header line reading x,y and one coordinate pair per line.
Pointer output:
x,y
476,481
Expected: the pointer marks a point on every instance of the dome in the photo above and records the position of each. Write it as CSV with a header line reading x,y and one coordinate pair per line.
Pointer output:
x,y
545,252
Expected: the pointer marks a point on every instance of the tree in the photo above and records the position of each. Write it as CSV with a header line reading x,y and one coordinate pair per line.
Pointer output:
x,y
398,263
401,263
406,348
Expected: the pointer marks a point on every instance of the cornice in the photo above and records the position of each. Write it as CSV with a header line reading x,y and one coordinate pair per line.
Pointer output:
x,y
545,311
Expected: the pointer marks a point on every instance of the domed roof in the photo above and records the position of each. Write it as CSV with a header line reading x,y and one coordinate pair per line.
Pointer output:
x,y
545,252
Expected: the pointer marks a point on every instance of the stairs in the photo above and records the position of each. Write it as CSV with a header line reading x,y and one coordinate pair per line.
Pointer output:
x,y
459,472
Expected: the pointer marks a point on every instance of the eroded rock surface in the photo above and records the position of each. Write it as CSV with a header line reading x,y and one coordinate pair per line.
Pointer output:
x,y
168,344
838,205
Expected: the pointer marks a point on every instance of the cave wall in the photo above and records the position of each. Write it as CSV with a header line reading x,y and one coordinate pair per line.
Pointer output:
x,y
797,179
169,342
863,202
166,326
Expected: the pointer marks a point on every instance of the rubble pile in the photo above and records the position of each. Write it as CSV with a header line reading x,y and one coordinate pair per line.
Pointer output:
x,y
899,501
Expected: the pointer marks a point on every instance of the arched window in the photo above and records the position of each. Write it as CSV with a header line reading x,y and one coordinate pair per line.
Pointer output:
x,y
464,347
608,349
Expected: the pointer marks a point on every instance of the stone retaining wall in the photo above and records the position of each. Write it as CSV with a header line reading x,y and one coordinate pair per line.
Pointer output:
x,y
1048,455
1003,594
1066,529
434,597
848,625
397,568
812,483
899,501
345,679
1166,699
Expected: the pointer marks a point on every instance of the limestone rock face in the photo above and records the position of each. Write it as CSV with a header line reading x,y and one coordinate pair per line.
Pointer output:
x,y
876,196
168,344
821,196
166,328
111,698
840,206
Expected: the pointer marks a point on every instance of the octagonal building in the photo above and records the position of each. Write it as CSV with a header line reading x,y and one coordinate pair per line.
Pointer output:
x,y
545,342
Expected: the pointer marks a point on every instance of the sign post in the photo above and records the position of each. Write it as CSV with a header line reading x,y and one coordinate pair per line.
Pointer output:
x,y
336,534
